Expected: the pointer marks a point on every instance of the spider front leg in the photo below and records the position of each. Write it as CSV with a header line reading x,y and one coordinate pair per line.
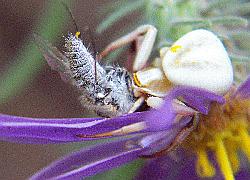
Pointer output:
x,y
144,46
143,37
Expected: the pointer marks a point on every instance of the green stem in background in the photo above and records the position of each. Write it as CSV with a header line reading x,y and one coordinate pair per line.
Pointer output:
x,y
242,38
157,15
123,10
218,4
241,9
210,22
161,14
239,58
28,62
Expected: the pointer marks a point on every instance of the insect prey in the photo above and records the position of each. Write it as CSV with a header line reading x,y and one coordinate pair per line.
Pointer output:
x,y
106,90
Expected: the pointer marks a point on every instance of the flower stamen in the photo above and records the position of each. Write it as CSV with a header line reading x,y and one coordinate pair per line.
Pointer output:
x,y
232,155
222,157
245,141
204,168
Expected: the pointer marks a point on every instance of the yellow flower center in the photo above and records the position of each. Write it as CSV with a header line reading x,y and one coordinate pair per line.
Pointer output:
x,y
222,133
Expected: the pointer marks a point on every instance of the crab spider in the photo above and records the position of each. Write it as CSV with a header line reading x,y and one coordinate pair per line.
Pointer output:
x,y
197,59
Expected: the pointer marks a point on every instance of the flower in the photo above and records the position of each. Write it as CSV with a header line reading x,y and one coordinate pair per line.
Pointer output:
x,y
214,145
219,132
224,131
29,130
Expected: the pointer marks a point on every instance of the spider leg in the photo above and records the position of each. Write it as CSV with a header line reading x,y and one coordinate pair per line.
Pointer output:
x,y
137,104
118,132
148,32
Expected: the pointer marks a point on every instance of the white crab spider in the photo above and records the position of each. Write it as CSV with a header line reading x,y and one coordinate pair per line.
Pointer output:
x,y
197,59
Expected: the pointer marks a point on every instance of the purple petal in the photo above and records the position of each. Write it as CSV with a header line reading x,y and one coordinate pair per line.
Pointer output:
x,y
157,168
167,168
34,130
91,161
162,118
243,174
244,89
198,99
173,166
181,165
201,105
163,140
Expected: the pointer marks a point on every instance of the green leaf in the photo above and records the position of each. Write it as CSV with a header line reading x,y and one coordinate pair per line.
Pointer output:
x,y
112,6
194,22
241,9
239,58
217,4
242,39
119,13
29,60
209,22
229,21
